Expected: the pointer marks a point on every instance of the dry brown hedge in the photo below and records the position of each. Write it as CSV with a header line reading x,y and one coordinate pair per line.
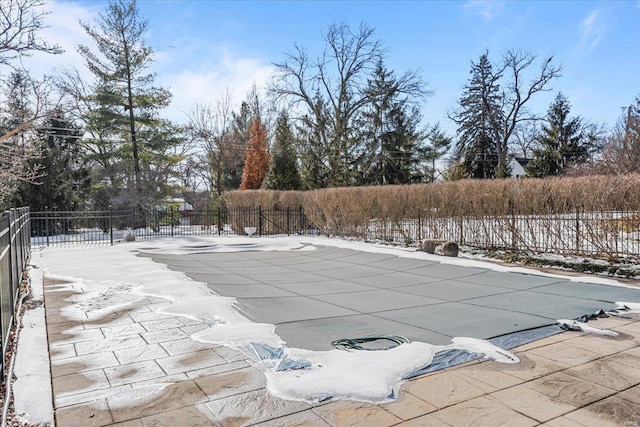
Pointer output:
x,y
470,198
593,215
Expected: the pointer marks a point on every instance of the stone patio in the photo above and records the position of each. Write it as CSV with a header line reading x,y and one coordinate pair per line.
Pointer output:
x,y
145,371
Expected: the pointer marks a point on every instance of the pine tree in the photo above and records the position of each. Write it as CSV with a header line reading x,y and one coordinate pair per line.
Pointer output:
x,y
257,159
125,95
393,138
64,179
283,171
479,111
439,144
563,141
492,108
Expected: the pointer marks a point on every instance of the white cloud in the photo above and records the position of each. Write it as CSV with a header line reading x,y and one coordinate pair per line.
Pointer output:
x,y
591,31
487,9
63,29
193,69
212,77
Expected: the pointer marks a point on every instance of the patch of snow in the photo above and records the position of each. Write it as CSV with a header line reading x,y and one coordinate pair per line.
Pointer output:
x,y
203,245
574,325
369,376
136,396
239,335
629,307
489,350
32,386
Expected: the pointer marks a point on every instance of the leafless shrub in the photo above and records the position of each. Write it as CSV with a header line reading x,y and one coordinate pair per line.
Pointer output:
x,y
593,214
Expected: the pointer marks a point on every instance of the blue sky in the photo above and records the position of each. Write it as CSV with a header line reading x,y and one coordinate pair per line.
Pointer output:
x,y
203,47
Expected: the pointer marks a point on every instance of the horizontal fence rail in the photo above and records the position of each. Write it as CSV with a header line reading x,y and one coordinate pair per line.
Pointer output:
x,y
609,234
14,254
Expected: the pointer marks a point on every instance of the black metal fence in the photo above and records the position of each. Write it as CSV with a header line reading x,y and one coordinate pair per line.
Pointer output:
x,y
611,234
14,253
602,234
106,227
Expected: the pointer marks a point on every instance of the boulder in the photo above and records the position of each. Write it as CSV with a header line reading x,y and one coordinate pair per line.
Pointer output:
x,y
450,249
428,246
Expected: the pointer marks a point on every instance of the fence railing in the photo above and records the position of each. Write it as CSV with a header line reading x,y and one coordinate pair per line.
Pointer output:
x,y
14,253
603,234
106,227
600,234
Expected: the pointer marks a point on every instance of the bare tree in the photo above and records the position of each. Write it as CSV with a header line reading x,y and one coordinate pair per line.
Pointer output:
x,y
29,103
20,22
516,93
524,138
210,128
622,153
328,92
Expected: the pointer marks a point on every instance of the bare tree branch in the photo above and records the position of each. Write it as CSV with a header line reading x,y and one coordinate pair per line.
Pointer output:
x,y
20,22
516,94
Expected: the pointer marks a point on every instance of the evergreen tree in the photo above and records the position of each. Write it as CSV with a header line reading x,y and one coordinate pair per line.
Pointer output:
x,y
283,171
18,146
493,107
312,129
479,111
393,138
439,145
454,171
64,176
250,109
563,141
257,158
159,159
128,101
239,135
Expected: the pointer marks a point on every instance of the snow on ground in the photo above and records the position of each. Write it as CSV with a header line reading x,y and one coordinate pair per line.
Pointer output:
x,y
114,276
32,388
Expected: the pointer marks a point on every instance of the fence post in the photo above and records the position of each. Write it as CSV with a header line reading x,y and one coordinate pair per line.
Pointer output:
x,y
171,218
110,226
577,230
514,234
301,220
259,220
219,224
46,223
13,268
419,229
288,217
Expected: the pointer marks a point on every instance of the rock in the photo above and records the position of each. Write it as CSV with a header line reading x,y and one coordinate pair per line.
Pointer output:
x,y
129,235
428,246
450,249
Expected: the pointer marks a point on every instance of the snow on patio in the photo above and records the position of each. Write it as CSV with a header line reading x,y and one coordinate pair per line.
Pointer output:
x,y
115,277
